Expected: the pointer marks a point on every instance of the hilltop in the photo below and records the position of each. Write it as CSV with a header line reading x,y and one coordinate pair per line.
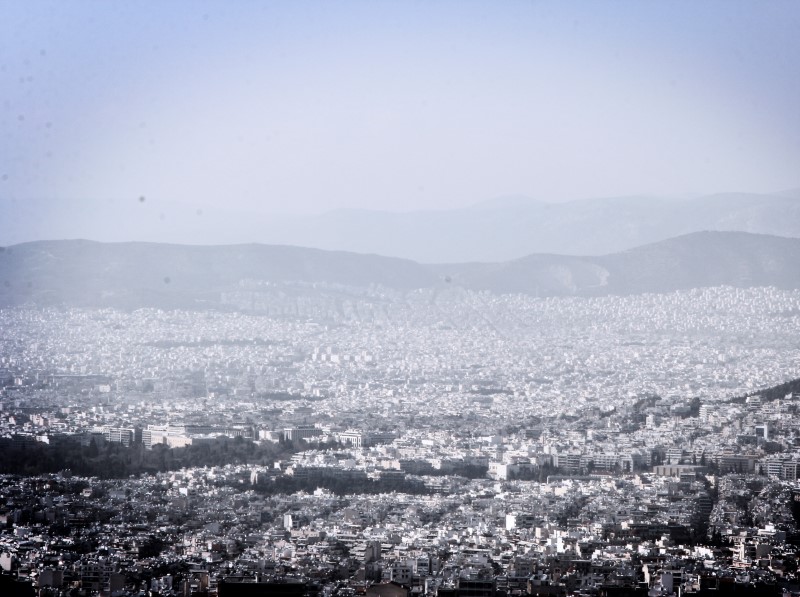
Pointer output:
x,y
491,231
86,273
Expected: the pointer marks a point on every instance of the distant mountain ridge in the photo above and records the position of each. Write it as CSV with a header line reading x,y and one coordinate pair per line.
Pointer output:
x,y
496,230
696,260
87,273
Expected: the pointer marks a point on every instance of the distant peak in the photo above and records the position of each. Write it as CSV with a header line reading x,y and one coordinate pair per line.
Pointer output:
x,y
789,193
506,201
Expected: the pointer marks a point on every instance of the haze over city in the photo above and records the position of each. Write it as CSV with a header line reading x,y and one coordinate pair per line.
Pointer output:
x,y
399,299
305,107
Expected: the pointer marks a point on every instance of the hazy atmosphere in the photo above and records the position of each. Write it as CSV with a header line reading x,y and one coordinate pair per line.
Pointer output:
x,y
399,298
305,107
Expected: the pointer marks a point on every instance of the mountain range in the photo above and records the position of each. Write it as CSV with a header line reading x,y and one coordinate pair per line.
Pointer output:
x,y
130,275
499,230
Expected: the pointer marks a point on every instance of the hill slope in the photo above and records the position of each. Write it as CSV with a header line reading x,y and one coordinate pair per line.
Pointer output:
x,y
498,230
692,261
148,274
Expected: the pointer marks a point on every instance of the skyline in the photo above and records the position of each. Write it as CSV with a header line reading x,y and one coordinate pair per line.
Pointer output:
x,y
422,298
308,107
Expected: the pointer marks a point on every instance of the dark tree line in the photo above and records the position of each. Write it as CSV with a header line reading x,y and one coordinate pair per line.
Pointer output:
x,y
773,393
111,460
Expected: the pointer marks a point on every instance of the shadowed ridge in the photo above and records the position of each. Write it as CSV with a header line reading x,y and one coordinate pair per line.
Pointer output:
x,y
131,275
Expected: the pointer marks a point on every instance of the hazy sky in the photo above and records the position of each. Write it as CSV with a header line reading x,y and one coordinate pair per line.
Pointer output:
x,y
308,106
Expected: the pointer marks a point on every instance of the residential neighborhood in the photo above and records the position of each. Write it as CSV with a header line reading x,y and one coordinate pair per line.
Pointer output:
x,y
457,444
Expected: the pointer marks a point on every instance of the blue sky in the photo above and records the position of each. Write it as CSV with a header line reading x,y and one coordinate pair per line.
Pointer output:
x,y
302,107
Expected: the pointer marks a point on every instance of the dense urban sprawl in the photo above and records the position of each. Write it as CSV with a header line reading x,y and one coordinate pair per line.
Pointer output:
x,y
328,440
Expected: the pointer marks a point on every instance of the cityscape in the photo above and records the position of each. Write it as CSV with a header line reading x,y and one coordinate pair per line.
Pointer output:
x,y
444,442
441,298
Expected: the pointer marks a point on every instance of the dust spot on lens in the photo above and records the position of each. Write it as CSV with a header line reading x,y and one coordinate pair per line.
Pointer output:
x,y
4,177
199,212
6,283
167,280
141,198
